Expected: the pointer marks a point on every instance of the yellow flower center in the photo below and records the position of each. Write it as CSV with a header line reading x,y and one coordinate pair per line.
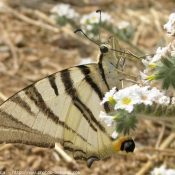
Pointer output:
x,y
152,65
112,100
126,101
94,19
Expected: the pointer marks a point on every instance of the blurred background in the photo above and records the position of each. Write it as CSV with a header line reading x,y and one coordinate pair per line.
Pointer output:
x,y
37,39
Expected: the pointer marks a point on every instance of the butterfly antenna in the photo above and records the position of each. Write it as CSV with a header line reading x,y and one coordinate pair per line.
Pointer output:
x,y
125,53
80,30
99,11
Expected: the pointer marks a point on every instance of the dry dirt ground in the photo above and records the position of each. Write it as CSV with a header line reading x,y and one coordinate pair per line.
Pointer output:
x,y
32,47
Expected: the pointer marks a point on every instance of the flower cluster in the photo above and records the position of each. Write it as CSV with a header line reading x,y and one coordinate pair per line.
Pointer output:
x,y
123,25
170,25
128,97
150,63
162,64
161,67
62,13
162,171
124,101
93,18
64,10
90,23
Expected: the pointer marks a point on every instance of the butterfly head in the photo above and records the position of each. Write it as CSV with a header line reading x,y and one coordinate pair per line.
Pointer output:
x,y
104,48
124,145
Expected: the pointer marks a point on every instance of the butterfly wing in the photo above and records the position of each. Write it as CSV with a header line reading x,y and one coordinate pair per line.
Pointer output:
x,y
63,107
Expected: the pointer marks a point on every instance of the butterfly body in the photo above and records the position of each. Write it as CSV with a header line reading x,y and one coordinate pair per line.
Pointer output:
x,y
109,63
64,107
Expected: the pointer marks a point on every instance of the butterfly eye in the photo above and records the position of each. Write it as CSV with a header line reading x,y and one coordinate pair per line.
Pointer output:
x,y
128,146
103,49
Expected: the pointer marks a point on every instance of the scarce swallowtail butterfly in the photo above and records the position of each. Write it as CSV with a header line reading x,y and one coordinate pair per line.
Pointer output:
x,y
64,107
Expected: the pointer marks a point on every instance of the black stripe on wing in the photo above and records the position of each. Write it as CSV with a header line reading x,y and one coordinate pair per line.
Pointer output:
x,y
12,119
36,97
86,71
71,91
51,79
76,152
18,100
11,124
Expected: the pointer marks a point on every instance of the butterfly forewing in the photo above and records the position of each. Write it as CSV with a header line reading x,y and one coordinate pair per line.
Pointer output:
x,y
63,107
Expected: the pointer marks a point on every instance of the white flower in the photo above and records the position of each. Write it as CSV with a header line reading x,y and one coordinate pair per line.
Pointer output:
x,y
60,9
145,63
115,135
170,25
126,99
144,78
173,100
64,10
72,14
161,52
89,27
162,171
133,88
173,53
123,25
170,172
105,17
165,100
107,119
94,18
84,20
159,171
148,63
108,95
155,94
144,95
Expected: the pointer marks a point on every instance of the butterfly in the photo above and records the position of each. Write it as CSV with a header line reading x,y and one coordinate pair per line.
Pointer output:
x,y
64,107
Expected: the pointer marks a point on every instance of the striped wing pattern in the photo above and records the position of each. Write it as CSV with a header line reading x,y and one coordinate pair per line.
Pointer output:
x,y
59,108
64,107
